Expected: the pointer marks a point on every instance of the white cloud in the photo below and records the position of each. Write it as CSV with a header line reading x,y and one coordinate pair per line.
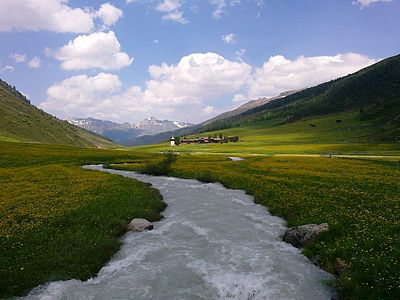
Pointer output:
x,y
34,62
109,14
189,90
238,98
97,50
240,53
174,91
19,58
365,3
229,38
8,69
197,76
172,11
279,74
80,93
208,109
53,15
219,8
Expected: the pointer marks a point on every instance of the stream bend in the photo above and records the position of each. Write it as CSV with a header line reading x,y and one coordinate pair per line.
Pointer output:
x,y
214,243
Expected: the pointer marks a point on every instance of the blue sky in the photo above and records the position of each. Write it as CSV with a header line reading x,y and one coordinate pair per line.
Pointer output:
x,y
186,60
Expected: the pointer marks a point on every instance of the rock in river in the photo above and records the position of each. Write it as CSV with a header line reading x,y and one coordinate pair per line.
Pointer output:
x,y
301,235
140,225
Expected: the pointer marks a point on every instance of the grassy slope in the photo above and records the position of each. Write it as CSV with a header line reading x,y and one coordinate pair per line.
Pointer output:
x,y
352,136
58,221
20,121
358,198
374,90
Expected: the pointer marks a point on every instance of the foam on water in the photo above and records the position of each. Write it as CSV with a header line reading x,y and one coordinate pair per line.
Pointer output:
x,y
213,243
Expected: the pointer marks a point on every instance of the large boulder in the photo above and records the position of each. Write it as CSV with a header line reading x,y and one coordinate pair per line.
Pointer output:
x,y
140,225
302,235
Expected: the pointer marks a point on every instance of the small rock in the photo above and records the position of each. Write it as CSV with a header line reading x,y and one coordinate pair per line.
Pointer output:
x,y
302,235
340,266
140,225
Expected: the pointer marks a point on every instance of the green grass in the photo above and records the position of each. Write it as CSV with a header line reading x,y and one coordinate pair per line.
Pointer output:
x,y
59,221
352,136
359,198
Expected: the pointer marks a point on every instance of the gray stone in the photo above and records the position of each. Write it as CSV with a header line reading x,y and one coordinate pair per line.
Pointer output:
x,y
140,225
302,235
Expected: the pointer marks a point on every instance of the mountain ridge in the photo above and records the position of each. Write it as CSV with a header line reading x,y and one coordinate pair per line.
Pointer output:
x,y
124,132
23,122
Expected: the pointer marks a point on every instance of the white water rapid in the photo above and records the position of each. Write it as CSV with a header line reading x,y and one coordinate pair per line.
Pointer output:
x,y
214,243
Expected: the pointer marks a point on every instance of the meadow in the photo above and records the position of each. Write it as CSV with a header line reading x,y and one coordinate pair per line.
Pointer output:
x,y
358,198
350,137
59,221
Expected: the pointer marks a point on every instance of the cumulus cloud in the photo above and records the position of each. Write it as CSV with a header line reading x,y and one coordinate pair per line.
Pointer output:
x,y
172,92
279,74
19,58
34,62
53,15
109,14
365,3
97,50
198,76
80,93
190,89
229,38
172,11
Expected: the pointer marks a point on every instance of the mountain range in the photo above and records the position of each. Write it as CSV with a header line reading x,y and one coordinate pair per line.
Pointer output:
x,y
126,132
372,93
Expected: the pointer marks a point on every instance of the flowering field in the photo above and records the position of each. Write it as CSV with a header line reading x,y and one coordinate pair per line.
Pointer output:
x,y
360,199
58,221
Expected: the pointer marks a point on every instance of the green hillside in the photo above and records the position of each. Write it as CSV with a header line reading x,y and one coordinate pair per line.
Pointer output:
x,y
373,92
22,122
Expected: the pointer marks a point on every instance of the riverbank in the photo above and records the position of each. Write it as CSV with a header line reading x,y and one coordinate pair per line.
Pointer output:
x,y
59,221
213,243
358,198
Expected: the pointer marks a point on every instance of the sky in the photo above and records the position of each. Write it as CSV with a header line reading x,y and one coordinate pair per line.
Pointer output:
x,y
184,60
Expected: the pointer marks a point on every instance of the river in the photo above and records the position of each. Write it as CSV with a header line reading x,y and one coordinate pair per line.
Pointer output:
x,y
213,243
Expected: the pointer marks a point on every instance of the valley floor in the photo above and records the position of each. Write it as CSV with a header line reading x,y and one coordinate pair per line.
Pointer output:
x,y
59,221
359,198
53,212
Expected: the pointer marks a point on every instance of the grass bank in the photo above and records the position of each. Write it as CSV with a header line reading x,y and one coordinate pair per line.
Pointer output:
x,y
359,198
59,221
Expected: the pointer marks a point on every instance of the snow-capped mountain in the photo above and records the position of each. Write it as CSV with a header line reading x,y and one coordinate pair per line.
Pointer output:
x,y
120,133
152,125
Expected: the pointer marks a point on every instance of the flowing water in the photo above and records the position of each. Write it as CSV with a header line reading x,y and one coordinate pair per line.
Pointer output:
x,y
214,243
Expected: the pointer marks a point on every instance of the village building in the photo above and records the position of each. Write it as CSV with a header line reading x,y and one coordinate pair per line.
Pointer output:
x,y
209,140
172,141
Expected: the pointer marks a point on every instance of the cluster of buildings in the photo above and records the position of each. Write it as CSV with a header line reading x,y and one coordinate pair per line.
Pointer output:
x,y
205,140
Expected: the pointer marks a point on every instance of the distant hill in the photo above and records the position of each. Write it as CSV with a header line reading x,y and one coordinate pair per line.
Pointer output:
x,y
123,133
20,121
247,106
